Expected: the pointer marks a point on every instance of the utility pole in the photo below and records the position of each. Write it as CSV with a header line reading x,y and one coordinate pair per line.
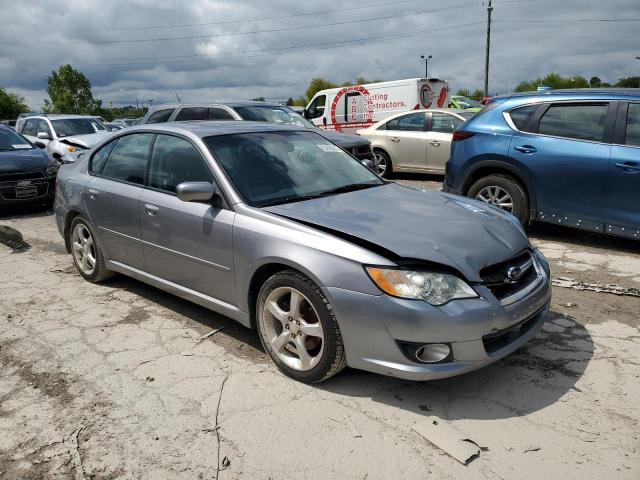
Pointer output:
x,y
486,59
638,58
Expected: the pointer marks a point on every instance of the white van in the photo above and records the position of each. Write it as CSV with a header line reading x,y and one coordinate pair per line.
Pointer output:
x,y
346,109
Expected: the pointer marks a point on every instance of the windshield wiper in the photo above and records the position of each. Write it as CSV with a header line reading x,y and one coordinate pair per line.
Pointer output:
x,y
290,199
348,188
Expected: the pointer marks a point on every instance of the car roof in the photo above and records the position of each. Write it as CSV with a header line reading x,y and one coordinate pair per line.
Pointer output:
x,y
575,92
209,128
58,116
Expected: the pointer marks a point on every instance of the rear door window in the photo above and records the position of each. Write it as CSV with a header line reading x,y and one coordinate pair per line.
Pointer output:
x,y
632,135
160,116
578,121
128,158
444,123
414,122
192,113
100,158
219,114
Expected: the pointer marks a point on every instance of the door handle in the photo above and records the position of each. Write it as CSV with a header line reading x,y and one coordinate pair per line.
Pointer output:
x,y
630,167
151,209
93,193
395,139
526,149
435,143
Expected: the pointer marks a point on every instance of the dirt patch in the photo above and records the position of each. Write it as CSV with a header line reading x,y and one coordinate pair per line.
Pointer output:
x,y
53,384
136,316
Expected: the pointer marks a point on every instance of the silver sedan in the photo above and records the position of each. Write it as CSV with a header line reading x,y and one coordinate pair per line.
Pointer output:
x,y
273,227
416,141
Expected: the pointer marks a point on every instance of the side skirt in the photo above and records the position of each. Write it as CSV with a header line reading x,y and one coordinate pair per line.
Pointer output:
x,y
201,299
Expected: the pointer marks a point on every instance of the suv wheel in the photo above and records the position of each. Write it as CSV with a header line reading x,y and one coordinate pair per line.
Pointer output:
x,y
298,329
502,191
86,252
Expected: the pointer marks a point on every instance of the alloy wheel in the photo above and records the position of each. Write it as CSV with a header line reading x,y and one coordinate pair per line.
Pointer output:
x,y
380,166
497,196
291,326
83,248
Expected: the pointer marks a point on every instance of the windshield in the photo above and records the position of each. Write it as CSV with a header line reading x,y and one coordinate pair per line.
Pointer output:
x,y
464,102
273,114
77,126
10,140
281,167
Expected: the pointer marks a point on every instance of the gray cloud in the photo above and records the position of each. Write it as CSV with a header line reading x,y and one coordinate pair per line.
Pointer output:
x,y
44,34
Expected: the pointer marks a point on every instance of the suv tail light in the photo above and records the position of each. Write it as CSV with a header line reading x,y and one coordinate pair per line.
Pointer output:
x,y
461,135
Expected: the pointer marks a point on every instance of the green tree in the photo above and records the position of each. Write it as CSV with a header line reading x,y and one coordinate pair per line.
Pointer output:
x,y
595,82
289,102
316,85
464,92
11,105
628,82
477,94
70,92
553,80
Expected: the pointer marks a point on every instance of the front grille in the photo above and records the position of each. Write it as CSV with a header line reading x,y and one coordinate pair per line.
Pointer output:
x,y
361,152
16,177
496,277
9,193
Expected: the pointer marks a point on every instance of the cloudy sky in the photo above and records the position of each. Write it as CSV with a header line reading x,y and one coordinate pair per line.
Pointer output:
x,y
239,49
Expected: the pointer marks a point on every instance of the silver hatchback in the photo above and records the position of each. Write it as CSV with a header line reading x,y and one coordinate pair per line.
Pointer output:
x,y
273,227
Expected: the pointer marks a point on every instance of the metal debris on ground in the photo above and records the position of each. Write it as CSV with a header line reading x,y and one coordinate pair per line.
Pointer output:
x,y
448,439
208,334
564,282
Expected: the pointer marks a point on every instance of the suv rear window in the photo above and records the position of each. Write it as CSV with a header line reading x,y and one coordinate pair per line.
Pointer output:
x,y
521,115
192,113
160,116
632,136
582,122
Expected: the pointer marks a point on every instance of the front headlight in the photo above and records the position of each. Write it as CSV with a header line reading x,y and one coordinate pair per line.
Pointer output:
x,y
71,149
433,288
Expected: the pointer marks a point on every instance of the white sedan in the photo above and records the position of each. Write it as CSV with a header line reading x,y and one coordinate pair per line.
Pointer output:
x,y
416,141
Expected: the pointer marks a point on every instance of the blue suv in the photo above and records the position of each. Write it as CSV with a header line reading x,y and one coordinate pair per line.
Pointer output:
x,y
569,157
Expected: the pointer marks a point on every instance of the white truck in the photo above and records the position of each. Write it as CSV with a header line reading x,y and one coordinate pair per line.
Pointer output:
x,y
346,109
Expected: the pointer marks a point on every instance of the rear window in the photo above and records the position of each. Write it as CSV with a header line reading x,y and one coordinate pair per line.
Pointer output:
x,y
160,116
580,122
520,116
192,113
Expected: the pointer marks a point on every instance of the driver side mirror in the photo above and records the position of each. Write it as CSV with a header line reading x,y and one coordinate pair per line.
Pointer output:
x,y
305,113
39,144
44,136
195,191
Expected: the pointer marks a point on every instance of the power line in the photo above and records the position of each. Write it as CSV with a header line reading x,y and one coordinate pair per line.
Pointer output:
x,y
246,20
278,50
567,20
271,30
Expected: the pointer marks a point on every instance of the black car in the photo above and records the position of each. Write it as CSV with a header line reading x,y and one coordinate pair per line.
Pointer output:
x,y
27,173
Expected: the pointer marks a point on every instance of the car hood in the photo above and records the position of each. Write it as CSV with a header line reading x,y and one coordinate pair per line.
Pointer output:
x,y
344,140
27,160
416,224
85,141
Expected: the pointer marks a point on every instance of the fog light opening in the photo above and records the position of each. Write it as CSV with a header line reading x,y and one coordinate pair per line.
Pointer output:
x,y
432,353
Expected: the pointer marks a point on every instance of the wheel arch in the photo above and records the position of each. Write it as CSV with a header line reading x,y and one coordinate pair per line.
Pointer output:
x,y
262,273
68,219
492,167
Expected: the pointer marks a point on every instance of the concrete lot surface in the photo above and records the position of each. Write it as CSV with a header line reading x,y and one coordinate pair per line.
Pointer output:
x,y
111,381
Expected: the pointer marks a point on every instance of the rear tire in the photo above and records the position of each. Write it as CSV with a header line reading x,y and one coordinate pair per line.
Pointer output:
x,y
382,164
86,252
298,329
502,191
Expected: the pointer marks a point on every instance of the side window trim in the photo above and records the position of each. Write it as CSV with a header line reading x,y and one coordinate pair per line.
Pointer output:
x,y
108,145
620,128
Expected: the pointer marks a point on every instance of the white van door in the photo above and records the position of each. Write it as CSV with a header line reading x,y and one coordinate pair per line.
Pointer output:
x,y
316,110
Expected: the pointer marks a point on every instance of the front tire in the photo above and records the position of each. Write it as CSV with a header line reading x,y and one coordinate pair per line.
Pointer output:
x,y
298,329
86,252
502,191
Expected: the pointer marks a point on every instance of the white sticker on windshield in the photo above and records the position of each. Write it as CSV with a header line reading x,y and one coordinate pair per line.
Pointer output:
x,y
21,145
327,147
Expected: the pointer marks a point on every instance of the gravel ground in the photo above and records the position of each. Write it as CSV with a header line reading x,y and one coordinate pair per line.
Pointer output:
x,y
111,381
